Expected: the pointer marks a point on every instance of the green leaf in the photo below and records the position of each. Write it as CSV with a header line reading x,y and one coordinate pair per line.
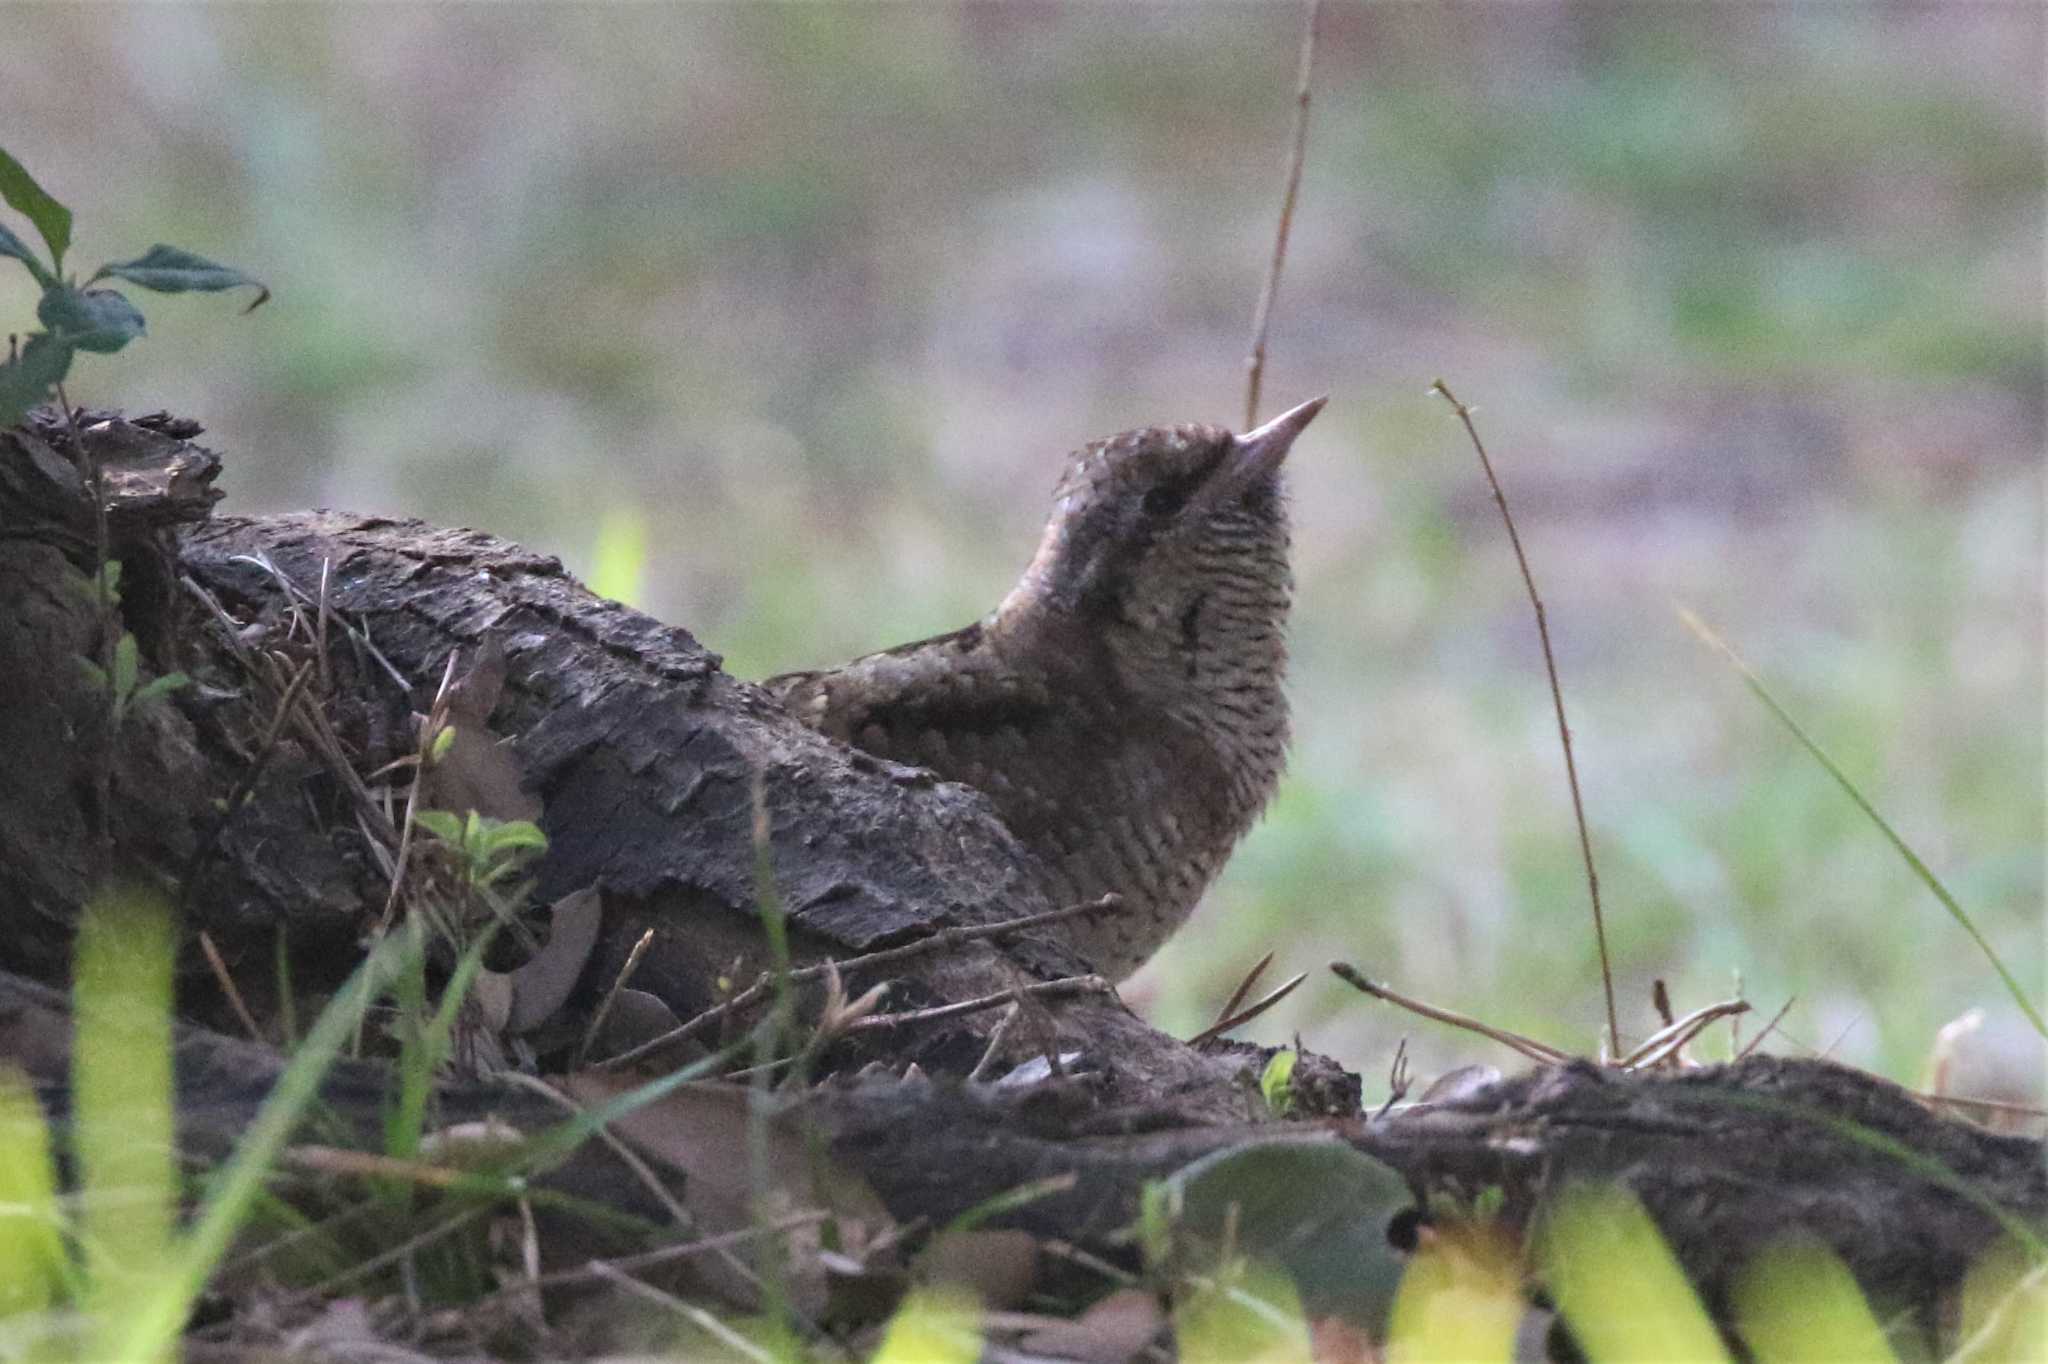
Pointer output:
x,y
441,824
124,666
511,836
11,245
28,198
161,686
27,379
170,270
1276,1082
443,741
95,675
99,320
1317,1209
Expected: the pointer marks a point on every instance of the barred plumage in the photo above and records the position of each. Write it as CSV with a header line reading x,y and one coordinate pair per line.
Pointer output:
x,y
1123,706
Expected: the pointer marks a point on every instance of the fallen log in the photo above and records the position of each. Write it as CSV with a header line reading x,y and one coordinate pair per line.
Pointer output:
x,y
261,799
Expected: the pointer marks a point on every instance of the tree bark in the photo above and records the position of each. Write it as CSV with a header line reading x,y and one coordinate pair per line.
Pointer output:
x,y
261,818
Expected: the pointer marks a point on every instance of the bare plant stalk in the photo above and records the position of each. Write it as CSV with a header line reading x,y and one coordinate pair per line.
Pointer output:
x,y
1065,985
1255,361
938,940
1541,1052
611,997
1776,1019
1564,732
244,786
1239,1017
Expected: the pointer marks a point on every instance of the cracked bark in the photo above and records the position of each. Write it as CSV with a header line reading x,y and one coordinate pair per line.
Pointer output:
x,y
644,755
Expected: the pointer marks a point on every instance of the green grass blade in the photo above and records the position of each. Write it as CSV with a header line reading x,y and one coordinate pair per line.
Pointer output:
x,y
123,1128
1920,869
35,1270
1617,1283
557,1142
1797,1302
155,1318
426,1049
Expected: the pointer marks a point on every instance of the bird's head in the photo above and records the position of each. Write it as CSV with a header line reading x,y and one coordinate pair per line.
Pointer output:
x,y
1169,543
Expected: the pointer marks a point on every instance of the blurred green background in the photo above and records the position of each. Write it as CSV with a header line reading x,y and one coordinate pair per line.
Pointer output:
x,y
813,299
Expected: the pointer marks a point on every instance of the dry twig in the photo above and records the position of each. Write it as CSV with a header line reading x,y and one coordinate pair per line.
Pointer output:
x,y
1769,1027
187,882
1528,1046
938,940
611,997
1399,1079
1248,1013
1564,732
1255,361
1665,1044
226,982
1065,985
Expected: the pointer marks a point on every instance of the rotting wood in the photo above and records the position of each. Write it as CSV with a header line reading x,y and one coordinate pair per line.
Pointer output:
x,y
642,752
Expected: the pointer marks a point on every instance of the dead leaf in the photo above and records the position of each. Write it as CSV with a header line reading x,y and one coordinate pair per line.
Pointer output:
x,y
1333,1340
1112,1331
475,694
703,1129
1000,1264
543,985
476,771
638,1017
490,994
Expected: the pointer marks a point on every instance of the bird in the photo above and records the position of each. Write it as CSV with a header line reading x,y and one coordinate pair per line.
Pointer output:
x,y
1123,706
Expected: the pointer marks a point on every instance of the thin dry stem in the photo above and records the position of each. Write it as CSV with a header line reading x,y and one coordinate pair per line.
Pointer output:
x,y
1399,1078
437,716
323,615
998,1039
412,1245
1244,987
1665,1044
703,1320
1769,1027
611,997
653,1259
639,1168
1528,1046
936,941
1564,731
226,982
188,882
1986,1105
1065,985
1249,1012
299,598
1255,361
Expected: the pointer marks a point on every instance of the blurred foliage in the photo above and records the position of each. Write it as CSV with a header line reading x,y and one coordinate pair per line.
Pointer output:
x,y
1748,299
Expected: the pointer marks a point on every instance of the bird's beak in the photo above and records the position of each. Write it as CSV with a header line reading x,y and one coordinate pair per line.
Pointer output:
x,y
1253,456
1260,450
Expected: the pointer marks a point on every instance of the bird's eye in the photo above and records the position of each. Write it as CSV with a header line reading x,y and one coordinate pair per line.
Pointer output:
x,y
1164,501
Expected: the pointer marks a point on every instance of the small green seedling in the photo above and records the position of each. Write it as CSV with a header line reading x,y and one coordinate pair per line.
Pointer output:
x,y
120,680
76,316
1276,1083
